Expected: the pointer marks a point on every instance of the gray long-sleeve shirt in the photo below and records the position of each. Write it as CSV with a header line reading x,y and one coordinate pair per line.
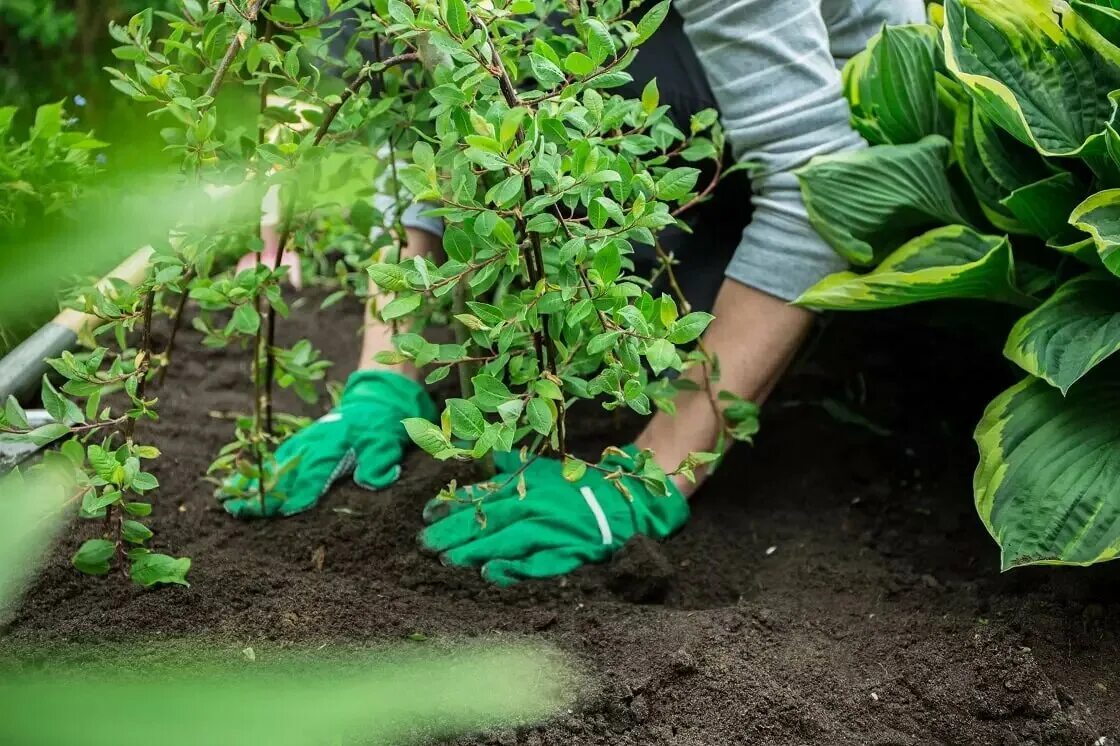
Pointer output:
x,y
774,67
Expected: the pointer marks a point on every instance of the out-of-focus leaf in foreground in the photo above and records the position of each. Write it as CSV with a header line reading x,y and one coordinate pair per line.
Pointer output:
x,y
364,698
30,517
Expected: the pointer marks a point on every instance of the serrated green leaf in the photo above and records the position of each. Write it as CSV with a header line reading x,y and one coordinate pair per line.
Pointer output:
x,y
677,183
467,421
690,327
541,415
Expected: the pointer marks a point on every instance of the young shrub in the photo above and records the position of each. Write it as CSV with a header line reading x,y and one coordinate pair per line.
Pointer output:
x,y
1016,203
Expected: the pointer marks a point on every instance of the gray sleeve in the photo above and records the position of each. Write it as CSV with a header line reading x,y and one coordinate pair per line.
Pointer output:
x,y
773,73
414,217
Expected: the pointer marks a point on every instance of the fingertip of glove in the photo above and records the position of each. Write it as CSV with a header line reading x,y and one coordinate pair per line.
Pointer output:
x,y
390,478
498,579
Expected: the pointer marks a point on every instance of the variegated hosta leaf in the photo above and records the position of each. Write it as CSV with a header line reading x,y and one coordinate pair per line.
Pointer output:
x,y
1028,74
1048,483
949,262
995,165
868,203
1043,208
1097,24
1099,216
1075,330
892,87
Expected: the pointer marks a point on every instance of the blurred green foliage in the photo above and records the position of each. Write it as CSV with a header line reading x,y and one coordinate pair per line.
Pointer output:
x,y
49,46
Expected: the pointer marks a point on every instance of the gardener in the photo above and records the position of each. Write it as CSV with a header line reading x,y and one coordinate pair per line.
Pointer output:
x,y
772,69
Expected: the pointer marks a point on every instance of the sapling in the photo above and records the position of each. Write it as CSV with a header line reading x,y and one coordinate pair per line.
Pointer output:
x,y
501,116
100,448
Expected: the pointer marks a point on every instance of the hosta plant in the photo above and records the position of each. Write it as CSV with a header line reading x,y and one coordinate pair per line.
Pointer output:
x,y
994,174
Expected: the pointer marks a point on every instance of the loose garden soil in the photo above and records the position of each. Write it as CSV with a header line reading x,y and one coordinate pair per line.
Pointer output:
x,y
833,587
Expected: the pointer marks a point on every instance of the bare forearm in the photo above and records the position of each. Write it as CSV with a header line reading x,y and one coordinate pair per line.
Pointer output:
x,y
754,336
377,335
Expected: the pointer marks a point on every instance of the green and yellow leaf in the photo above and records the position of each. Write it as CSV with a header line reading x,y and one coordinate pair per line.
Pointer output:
x,y
892,87
1046,486
949,262
1075,330
1099,216
868,203
1025,72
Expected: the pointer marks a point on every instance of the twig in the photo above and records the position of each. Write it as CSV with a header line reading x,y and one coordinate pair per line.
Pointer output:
x,y
704,194
534,261
176,323
355,85
231,52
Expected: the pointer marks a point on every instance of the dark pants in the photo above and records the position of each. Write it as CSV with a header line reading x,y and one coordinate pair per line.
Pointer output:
x,y
717,224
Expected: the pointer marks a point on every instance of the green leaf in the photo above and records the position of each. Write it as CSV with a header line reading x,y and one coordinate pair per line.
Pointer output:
x,y
949,262
608,263
1099,216
995,164
135,532
389,277
677,183
456,16
1046,484
690,327
892,87
46,434
92,558
1075,330
573,469
14,414
458,244
401,306
651,21
545,71
600,343
489,392
93,502
467,421
651,97
144,482
1027,73
600,44
579,64
662,355
154,569
868,203
426,435
246,319
1097,24
541,415
1042,209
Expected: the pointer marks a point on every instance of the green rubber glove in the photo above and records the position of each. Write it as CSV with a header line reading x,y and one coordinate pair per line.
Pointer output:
x,y
556,528
362,436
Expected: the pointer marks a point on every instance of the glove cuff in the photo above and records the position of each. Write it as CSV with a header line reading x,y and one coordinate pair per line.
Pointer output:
x,y
386,386
656,516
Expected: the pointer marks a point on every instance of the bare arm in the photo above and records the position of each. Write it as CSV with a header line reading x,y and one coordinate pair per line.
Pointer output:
x,y
755,336
377,335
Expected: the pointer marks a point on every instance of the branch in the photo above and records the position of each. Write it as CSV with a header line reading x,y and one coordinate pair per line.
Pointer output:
x,y
235,46
355,86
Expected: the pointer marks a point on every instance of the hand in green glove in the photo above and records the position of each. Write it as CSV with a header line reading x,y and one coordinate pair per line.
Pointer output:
x,y
362,436
557,527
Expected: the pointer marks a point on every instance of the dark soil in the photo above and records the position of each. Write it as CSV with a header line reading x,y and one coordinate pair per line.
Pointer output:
x,y
833,587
